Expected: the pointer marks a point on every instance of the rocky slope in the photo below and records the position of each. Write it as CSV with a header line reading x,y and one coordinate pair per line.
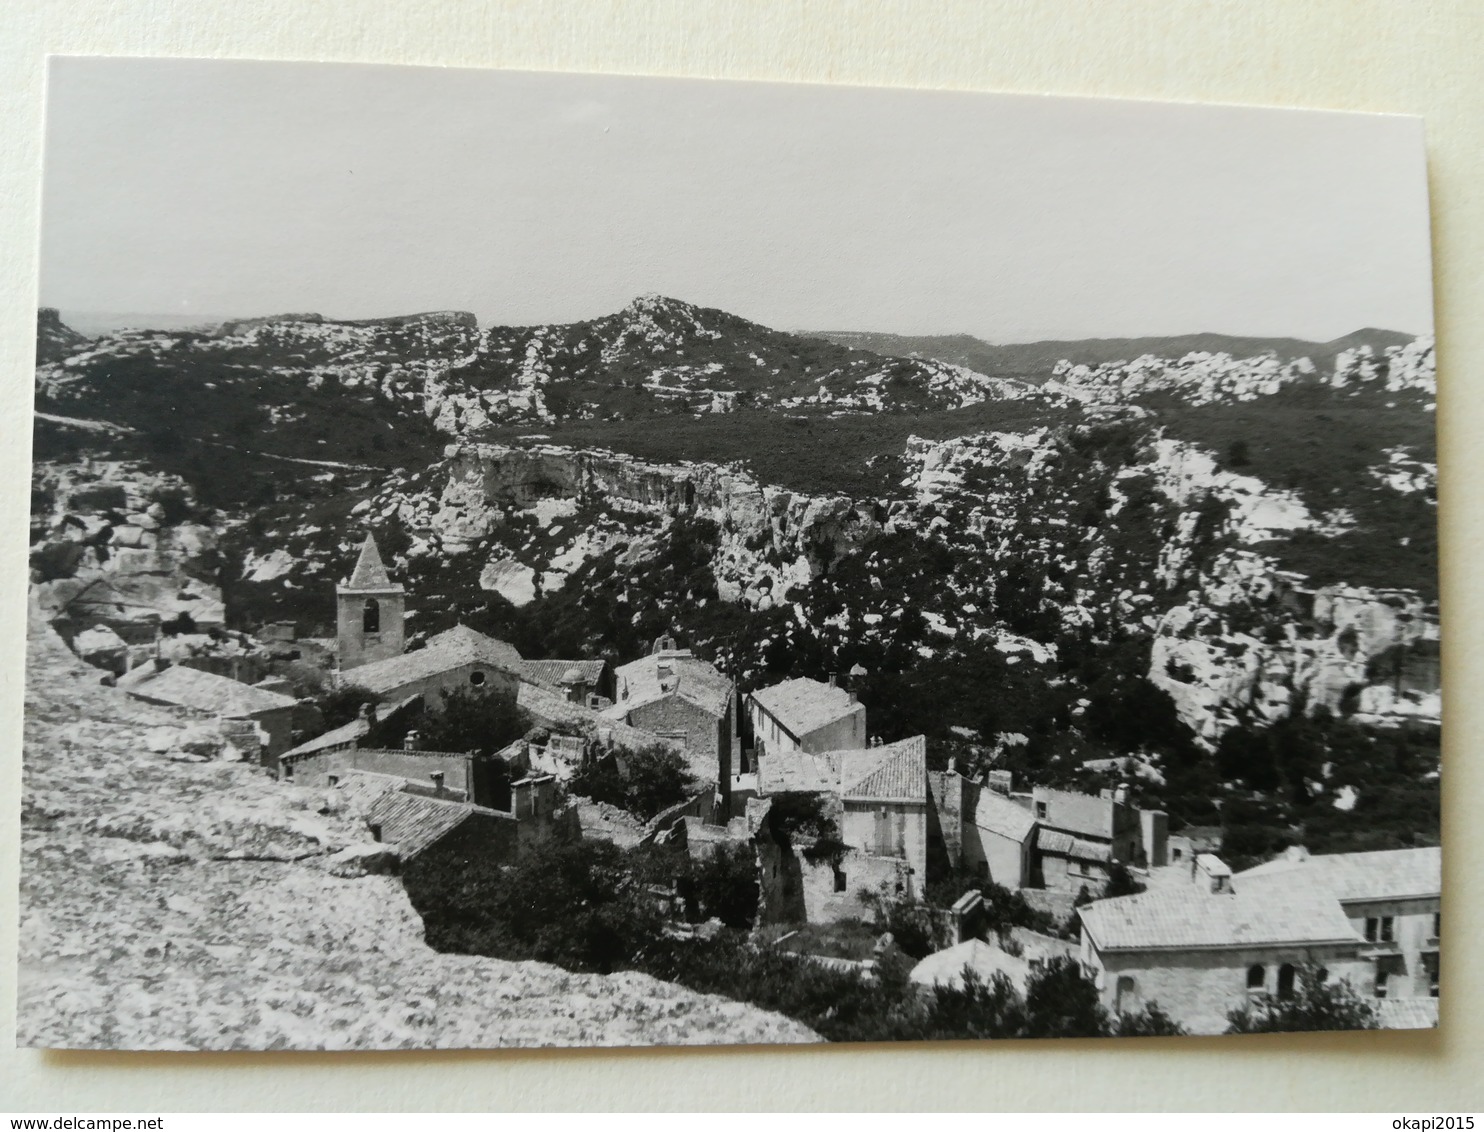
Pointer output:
x,y
1191,543
115,541
657,356
174,903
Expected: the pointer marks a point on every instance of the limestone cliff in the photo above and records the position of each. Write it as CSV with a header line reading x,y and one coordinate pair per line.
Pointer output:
x,y
170,903
116,544
772,538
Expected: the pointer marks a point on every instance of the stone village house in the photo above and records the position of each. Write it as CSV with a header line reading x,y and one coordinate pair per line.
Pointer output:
x,y
1205,946
806,715
874,799
679,697
269,715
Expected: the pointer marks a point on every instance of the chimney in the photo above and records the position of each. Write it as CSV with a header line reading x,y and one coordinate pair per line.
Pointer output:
x,y
1120,794
853,697
409,741
520,797
437,777
953,769
832,680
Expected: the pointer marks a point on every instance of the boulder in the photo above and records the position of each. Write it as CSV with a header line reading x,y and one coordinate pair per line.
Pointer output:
x,y
372,859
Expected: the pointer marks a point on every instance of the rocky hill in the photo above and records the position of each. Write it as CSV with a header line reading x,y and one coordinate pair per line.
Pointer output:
x,y
173,901
1034,361
55,340
1161,557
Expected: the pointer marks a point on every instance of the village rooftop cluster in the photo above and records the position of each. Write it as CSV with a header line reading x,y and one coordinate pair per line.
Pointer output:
x,y
1196,939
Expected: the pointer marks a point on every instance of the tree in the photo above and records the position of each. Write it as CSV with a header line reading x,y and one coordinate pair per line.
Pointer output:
x,y
1120,882
341,705
649,780
725,885
1316,1004
1062,1002
480,722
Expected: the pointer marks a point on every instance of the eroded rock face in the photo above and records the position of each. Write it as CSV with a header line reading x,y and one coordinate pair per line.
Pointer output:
x,y
186,905
1249,641
106,550
771,538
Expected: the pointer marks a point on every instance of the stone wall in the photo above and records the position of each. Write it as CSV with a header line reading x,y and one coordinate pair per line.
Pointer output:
x,y
706,740
1198,987
890,829
847,734
1413,937
794,890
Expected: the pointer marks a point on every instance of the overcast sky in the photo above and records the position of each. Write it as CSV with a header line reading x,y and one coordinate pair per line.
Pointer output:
x,y
227,188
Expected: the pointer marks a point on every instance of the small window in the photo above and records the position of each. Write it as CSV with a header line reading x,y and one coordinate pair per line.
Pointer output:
x,y
477,678
371,616
1382,978
1388,929
1437,925
839,881
1257,977
1174,854
1040,809
334,779
1285,980
288,772
1126,993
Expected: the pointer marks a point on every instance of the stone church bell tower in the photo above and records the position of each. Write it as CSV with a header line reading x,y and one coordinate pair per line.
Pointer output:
x,y
368,613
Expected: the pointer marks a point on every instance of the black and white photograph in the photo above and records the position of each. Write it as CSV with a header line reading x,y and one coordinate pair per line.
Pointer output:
x,y
540,559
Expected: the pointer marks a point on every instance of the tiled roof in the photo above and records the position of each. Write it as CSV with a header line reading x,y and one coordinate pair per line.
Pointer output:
x,y
994,813
1085,850
370,573
1053,841
360,789
555,710
348,734
1407,1013
985,960
554,673
448,650
1386,874
205,691
896,772
342,736
1194,918
689,677
803,706
414,823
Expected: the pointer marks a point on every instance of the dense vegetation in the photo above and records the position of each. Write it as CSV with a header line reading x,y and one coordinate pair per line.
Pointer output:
x,y
592,907
648,780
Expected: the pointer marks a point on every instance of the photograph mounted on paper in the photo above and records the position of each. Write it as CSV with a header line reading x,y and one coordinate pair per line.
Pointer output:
x,y
560,560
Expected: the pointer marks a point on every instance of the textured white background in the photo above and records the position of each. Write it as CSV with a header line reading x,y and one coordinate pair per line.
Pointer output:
x,y
1409,56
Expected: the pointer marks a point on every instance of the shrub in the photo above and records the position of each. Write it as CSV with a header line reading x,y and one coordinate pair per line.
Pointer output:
x,y
652,779
725,885
341,705
1316,1004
